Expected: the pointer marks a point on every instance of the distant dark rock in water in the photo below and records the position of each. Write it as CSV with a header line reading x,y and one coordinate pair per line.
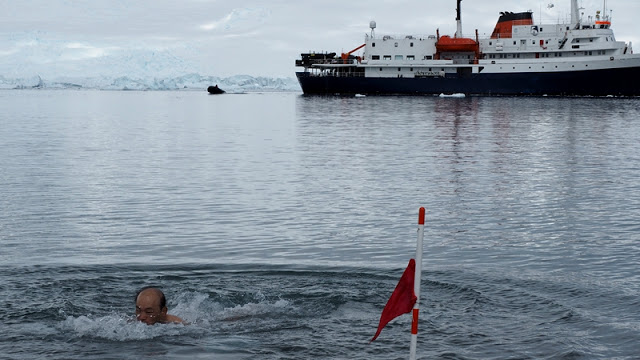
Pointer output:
x,y
215,90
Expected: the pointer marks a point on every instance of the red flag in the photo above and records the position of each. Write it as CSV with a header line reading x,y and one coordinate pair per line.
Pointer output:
x,y
402,299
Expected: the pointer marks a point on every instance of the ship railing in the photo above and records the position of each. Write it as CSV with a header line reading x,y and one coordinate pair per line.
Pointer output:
x,y
311,62
336,74
481,36
391,37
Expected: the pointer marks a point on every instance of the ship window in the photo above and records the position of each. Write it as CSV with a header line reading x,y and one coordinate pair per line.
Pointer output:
x,y
429,69
395,44
411,57
399,69
514,43
380,69
540,29
375,57
373,44
490,43
398,57
533,42
410,69
547,42
411,44
386,57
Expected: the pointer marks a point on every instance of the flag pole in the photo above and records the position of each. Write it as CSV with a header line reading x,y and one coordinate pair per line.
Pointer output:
x,y
416,285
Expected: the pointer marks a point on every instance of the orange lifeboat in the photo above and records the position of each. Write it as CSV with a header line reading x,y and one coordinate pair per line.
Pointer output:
x,y
448,44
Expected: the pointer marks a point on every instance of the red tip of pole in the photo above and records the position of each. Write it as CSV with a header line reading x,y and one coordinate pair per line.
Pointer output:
x,y
421,216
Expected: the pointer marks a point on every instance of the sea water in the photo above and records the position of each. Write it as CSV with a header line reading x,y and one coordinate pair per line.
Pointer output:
x,y
279,224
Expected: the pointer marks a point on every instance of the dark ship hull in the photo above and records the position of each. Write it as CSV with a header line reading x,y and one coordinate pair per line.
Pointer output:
x,y
605,82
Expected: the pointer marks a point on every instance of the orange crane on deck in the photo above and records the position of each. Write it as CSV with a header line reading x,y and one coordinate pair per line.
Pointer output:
x,y
345,56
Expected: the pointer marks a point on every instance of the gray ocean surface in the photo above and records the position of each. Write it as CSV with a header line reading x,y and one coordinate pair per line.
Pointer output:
x,y
279,224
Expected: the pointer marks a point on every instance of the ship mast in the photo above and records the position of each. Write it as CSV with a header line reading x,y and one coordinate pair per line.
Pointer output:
x,y
458,20
575,13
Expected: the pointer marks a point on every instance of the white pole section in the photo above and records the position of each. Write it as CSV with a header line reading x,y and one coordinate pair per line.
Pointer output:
x,y
416,285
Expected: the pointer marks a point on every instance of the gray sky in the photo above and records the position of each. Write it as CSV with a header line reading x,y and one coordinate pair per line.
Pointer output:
x,y
54,38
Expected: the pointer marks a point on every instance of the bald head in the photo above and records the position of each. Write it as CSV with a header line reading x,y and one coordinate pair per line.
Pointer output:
x,y
151,306
153,292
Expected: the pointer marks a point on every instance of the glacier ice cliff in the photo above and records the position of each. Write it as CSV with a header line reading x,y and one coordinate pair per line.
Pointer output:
x,y
232,84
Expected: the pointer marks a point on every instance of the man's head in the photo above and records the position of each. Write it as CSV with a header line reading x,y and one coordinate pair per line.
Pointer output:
x,y
151,306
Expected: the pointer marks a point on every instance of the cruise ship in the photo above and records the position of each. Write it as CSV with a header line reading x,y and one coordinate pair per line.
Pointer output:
x,y
577,58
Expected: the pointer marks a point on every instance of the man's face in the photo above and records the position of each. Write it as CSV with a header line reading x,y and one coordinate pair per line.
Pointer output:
x,y
148,308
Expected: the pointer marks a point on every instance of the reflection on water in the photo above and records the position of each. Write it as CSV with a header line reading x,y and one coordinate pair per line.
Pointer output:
x,y
502,178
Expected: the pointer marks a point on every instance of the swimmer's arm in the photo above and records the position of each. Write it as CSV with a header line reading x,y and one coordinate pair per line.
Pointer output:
x,y
176,320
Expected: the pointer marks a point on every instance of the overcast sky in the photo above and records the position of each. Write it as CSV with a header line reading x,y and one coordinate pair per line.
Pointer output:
x,y
54,38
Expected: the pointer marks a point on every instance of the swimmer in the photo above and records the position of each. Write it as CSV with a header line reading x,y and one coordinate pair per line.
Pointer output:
x,y
151,307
